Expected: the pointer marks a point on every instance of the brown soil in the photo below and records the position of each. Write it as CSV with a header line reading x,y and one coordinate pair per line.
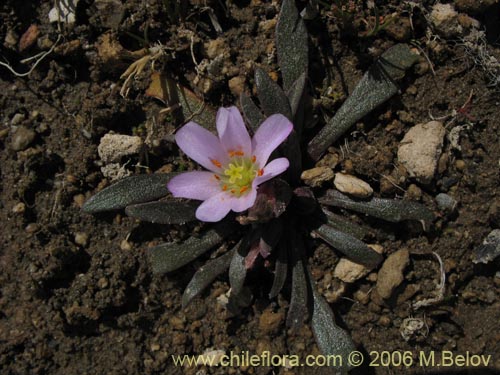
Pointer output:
x,y
77,295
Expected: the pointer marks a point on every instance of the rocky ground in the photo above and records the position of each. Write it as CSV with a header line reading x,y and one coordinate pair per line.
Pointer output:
x,y
77,295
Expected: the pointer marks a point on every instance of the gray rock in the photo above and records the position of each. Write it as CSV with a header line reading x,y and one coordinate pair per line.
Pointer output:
x,y
113,147
446,203
489,249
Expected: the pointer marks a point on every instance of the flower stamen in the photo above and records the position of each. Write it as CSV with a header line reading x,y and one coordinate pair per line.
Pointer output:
x,y
216,163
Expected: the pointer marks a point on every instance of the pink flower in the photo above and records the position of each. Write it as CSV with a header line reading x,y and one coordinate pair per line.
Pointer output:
x,y
236,164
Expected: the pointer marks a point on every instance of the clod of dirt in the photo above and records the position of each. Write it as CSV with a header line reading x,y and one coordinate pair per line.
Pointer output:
x,y
349,271
29,37
236,85
22,138
215,48
391,273
110,12
270,321
352,185
489,249
444,18
317,176
113,147
420,149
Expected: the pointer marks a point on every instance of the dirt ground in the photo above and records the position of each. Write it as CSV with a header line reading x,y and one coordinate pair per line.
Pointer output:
x,y
77,295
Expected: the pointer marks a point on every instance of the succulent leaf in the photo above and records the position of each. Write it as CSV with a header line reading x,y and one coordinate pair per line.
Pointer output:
x,y
354,249
298,310
376,86
171,256
251,112
271,96
206,275
291,44
331,339
386,209
280,271
131,190
164,212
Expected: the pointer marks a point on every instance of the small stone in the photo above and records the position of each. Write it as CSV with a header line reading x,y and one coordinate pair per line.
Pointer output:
x,y
362,296
384,321
489,249
420,149
17,119
19,208
32,228
391,273
329,160
81,238
155,347
102,283
236,85
177,323
29,37
349,271
413,193
352,185
460,165
125,245
113,147
446,203
317,176
22,138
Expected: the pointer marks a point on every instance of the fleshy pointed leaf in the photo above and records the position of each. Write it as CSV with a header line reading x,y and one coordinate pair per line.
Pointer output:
x,y
171,256
354,249
271,96
280,270
291,43
376,86
296,92
252,113
298,311
164,212
331,339
206,275
237,269
130,190
341,223
387,209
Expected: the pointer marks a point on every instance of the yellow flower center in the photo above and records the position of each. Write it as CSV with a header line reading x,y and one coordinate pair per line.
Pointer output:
x,y
237,176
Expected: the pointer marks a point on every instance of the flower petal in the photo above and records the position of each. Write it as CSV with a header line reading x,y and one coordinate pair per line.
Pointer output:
x,y
232,131
214,208
273,131
274,168
194,185
244,202
201,146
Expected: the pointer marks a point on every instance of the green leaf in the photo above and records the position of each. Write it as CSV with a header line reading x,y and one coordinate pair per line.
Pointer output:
x,y
296,92
165,212
237,269
376,86
271,96
298,311
386,209
206,275
341,223
291,44
130,190
171,256
354,249
331,339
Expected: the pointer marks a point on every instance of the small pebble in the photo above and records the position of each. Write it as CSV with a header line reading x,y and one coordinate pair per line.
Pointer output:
x,y
317,176
22,138
19,208
17,119
102,283
460,165
352,185
79,200
446,203
32,228
125,245
81,238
